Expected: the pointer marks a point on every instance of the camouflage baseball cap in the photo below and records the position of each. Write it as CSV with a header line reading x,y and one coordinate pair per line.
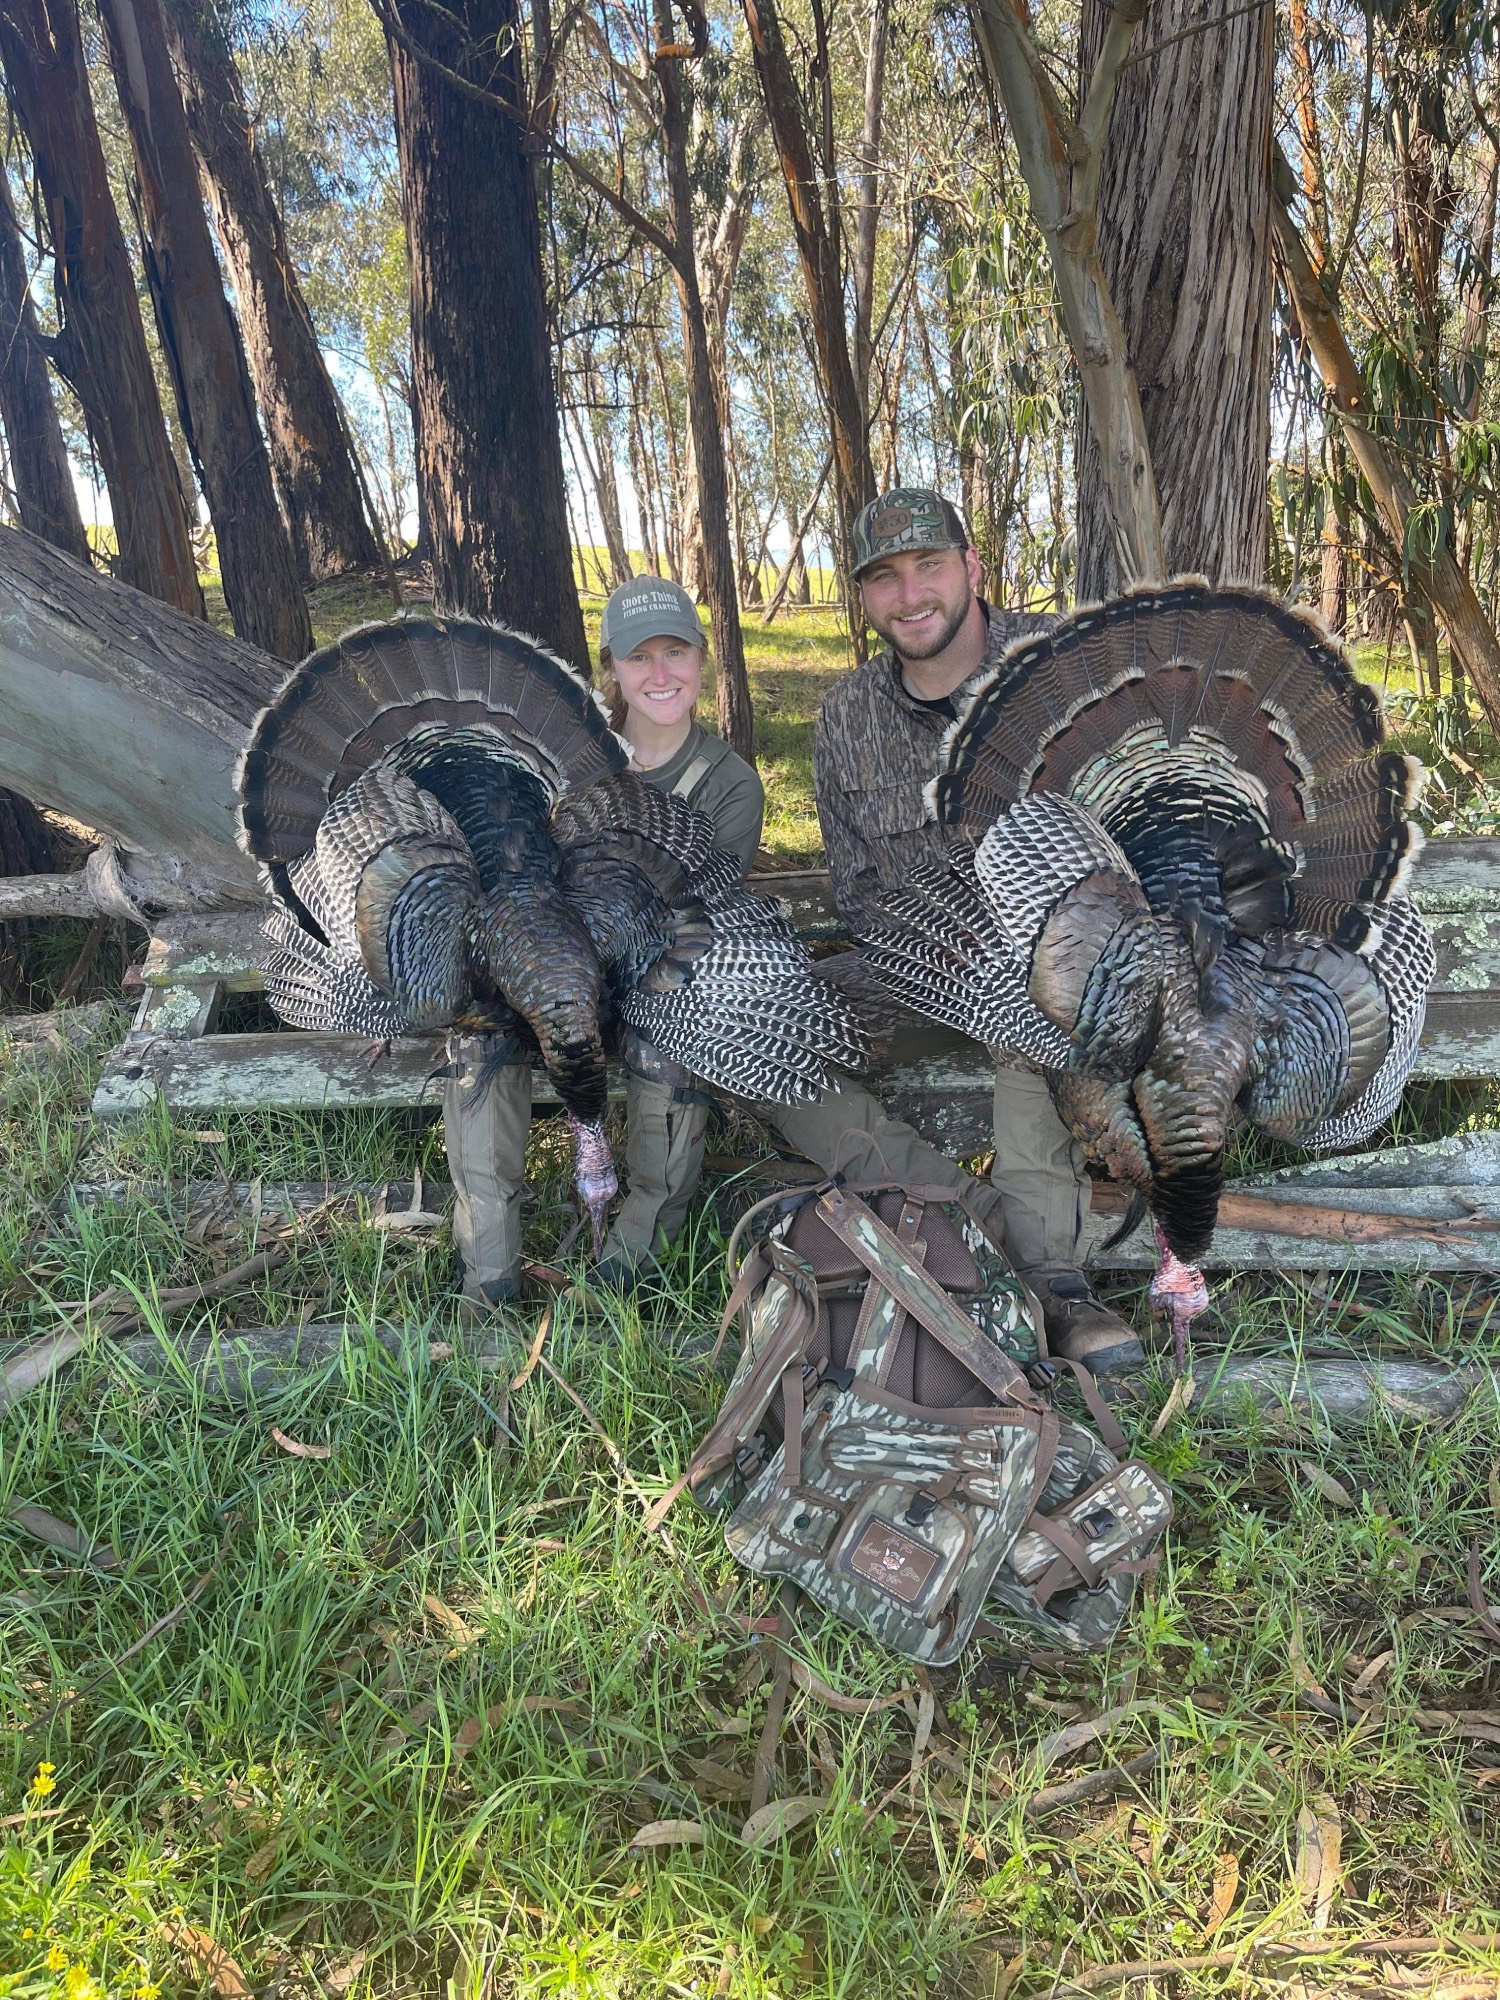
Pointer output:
x,y
908,517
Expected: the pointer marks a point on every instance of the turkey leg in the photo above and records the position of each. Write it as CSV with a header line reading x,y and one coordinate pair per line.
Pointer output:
x,y
1178,1291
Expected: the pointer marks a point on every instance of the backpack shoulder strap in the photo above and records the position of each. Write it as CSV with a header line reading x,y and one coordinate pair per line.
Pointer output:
x,y
886,1259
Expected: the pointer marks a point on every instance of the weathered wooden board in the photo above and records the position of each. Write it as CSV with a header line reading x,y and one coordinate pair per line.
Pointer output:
x,y
210,1204
249,1072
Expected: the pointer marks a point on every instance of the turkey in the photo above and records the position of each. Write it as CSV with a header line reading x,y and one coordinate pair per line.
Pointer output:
x,y
1176,884
454,842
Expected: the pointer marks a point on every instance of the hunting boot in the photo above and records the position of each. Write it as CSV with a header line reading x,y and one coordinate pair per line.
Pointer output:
x,y
667,1126
485,1126
1044,1192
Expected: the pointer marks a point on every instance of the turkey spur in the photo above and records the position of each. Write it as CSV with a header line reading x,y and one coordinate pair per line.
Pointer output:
x,y
448,826
1176,884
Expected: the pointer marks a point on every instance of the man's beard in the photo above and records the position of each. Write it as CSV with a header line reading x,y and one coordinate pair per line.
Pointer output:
x,y
947,632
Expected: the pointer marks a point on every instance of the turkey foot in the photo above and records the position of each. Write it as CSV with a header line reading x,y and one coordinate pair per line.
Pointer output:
x,y
1178,1291
377,1051
593,1174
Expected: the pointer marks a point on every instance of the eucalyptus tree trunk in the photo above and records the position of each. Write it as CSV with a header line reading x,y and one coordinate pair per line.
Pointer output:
x,y
48,506
201,341
46,497
489,451
867,221
101,348
1184,230
735,715
817,251
312,454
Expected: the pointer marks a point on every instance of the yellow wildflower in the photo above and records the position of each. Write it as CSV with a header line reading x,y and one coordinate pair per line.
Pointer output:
x,y
56,1959
43,1782
29,1932
146,1992
79,1985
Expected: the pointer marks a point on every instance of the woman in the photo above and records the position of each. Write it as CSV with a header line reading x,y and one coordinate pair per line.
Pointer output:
x,y
652,650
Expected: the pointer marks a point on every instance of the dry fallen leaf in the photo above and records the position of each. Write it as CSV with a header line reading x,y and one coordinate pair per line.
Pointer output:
x,y
544,1327
779,1817
719,1781
1225,1889
298,1450
341,1977
1183,1391
210,1138
1320,1835
472,1731
846,1704
1063,1742
450,1620
61,1535
1372,1672
263,1860
209,1956
1325,1483
670,1833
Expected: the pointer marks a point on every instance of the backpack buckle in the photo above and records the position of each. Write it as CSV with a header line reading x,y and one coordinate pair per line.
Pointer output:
x,y
1042,1375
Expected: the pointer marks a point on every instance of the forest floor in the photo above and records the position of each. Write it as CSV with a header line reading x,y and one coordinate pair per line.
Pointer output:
x,y
377,1686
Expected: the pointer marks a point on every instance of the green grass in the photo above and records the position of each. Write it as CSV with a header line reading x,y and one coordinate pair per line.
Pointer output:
x,y
284,1768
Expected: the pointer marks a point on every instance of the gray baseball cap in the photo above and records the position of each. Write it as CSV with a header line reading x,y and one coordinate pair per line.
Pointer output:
x,y
649,607
908,517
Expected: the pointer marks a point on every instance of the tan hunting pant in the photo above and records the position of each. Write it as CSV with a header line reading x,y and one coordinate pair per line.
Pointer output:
x,y
1039,1185
485,1135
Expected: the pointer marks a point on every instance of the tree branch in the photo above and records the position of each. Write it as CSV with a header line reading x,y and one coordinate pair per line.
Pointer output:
x,y
626,209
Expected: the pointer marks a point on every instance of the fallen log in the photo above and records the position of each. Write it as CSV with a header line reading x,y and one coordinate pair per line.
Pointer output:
x,y
240,1366
122,712
115,882
1343,1393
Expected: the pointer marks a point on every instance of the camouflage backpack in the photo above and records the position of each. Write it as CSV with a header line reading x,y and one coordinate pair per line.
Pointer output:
x,y
881,1445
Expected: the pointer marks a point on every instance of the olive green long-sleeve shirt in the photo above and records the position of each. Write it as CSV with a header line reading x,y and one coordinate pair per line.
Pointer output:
x,y
716,781
875,751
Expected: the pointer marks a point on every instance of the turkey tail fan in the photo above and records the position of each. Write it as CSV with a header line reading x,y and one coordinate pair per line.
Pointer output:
x,y
1177,677
1359,848
1405,965
349,703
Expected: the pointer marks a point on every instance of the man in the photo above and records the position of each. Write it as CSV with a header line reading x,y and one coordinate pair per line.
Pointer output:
x,y
876,749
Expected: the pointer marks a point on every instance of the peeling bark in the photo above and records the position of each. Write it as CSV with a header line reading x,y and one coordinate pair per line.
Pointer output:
x,y
312,455
201,341
489,451
1062,158
817,251
101,349
1184,233
1441,580
46,497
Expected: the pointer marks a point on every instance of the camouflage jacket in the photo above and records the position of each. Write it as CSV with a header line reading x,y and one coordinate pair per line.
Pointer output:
x,y
875,751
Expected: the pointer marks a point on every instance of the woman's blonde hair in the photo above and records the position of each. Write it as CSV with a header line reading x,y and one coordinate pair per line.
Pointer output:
x,y
609,685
